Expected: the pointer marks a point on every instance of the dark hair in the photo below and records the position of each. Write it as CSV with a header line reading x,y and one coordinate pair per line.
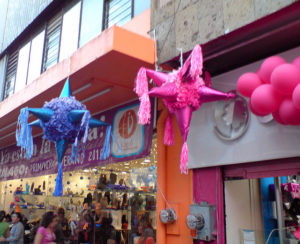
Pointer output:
x,y
47,219
8,218
87,217
61,211
19,216
2,215
107,220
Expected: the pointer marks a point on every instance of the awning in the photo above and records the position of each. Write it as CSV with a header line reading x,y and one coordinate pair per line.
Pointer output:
x,y
102,76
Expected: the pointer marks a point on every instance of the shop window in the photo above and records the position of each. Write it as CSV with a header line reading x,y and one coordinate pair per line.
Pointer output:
x,y
52,42
22,68
119,199
11,72
36,57
70,32
91,20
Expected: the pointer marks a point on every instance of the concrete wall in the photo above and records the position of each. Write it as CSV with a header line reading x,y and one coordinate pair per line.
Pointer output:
x,y
184,23
243,210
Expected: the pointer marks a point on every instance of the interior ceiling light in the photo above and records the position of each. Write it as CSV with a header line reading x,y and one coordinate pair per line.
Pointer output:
x,y
81,88
98,94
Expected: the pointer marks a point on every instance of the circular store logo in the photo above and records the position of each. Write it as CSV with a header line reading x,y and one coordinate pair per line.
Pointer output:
x,y
231,118
127,124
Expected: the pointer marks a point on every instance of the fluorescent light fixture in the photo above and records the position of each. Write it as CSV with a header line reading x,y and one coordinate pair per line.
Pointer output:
x,y
147,160
98,94
126,163
5,127
9,134
94,169
124,173
86,170
11,124
81,88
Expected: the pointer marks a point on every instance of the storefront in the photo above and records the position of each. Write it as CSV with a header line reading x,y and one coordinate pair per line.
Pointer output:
x,y
123,185
252,159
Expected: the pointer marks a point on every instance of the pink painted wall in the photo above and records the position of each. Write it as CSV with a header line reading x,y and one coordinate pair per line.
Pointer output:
x,y
208,187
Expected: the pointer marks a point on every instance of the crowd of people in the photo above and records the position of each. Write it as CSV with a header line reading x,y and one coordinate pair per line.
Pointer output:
x,y
92,227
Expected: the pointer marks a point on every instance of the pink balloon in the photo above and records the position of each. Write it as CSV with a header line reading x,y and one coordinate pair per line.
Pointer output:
x,y
296,97
296,62
288,113
285,78
276,117
268,66
265,99
253,110
247,83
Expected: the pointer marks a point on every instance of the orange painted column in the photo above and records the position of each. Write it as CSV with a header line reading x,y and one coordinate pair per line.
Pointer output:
x,y
174,189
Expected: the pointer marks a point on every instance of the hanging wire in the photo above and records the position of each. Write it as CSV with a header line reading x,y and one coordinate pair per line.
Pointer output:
x,y
175,12
165,199
181,56
69,66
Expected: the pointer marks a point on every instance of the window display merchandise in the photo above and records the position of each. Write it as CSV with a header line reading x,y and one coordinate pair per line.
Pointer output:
x,y
124,194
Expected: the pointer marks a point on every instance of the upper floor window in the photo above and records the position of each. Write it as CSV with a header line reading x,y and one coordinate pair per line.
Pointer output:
x,y
70,32
52,42
22,68
72,27
11,72
118,12
36,57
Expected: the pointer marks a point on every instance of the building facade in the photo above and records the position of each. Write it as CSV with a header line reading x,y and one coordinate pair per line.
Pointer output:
x,y
98,46
235,37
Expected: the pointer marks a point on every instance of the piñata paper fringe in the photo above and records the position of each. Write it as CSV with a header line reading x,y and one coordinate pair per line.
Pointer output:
x,y
24,133
196,62
59,182
184,158
106,147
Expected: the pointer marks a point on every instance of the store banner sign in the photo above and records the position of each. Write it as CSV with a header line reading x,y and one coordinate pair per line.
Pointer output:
x,y
131,141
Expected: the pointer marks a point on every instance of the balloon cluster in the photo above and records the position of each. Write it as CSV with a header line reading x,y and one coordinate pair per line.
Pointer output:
x,y
274,89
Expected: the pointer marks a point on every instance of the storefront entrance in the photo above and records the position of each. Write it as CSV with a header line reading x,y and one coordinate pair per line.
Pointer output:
x,y
125,191
262,210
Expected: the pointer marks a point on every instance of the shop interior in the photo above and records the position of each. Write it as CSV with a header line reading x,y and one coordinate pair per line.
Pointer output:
x,y
263,211
127,190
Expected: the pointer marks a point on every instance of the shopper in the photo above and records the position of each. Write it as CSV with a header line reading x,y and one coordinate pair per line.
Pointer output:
x,y
106,233
45,233
4,226
16,235
86,229
146,231
62,229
